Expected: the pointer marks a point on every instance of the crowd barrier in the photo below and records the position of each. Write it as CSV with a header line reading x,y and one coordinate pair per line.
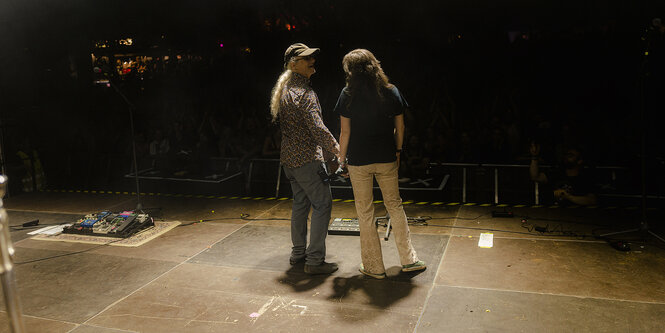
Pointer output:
x,y
614,179
463,181
607,176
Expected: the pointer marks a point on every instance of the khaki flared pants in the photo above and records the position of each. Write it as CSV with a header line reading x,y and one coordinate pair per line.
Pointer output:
x,y
370,245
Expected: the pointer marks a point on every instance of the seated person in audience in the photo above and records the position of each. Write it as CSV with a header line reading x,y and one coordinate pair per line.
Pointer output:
x,y
159,150
159,144
272,143
415,162
567,185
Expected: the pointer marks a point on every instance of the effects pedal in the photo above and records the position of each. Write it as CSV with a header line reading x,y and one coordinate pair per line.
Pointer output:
x,y
122,225
344,226
103,226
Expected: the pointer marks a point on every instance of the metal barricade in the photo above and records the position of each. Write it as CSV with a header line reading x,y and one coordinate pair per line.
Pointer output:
x,y
265,161
497,170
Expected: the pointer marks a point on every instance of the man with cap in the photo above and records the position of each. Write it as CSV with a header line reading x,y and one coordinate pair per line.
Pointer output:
x,y
306,145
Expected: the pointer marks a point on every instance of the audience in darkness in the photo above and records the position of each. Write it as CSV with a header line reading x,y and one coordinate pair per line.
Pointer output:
x,y
193,107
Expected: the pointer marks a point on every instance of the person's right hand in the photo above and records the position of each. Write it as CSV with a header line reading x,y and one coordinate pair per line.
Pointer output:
x,y
342,171
534,149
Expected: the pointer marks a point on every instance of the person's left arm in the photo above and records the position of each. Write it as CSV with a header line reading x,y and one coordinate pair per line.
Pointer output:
x,y
399,135
314,123
583,193
344,135
401,107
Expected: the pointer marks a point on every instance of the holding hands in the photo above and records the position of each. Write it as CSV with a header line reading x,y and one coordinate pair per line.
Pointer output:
x,y
342,170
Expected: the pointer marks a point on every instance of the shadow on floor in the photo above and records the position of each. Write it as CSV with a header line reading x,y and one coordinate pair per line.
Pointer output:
x,y
300,282
381,293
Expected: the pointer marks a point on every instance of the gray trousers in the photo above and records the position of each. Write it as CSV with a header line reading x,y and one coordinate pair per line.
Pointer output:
x,y
309,191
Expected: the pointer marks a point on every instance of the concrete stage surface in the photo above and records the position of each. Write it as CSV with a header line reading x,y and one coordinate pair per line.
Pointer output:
x,y
231,274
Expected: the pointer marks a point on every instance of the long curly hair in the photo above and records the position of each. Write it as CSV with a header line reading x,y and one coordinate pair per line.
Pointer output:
x,y
364,73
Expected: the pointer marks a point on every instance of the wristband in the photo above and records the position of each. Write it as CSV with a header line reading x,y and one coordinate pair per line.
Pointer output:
x,y
399,150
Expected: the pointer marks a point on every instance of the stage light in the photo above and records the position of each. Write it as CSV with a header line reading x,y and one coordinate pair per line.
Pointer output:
x,y
221,44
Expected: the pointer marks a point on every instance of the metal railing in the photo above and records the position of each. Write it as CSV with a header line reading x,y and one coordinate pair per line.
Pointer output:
x,y
267,172
265,160
497,169
536,190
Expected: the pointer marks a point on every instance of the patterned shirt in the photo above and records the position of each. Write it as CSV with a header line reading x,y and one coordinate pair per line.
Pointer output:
x,y
304,136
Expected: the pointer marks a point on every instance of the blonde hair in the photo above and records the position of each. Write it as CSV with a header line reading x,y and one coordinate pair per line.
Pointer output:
x,y
277,90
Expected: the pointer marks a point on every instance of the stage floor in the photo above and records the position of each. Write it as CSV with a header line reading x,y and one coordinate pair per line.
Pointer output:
x,y
231,274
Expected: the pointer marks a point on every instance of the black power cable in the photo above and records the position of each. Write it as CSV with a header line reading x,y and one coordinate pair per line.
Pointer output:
x,y
243,216
66,254
531,228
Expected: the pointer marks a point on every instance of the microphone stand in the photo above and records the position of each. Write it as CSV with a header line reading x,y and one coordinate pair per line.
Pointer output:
x,y
388,223
643,227
131,107
2,152
7,278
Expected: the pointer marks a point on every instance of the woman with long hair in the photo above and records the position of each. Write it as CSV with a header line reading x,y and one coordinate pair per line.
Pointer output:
x,y
372,133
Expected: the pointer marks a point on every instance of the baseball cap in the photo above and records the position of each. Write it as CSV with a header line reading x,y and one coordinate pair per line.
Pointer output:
x,y
299,50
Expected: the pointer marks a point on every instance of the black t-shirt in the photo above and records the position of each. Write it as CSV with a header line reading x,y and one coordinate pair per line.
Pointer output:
x,y
372,125
577,185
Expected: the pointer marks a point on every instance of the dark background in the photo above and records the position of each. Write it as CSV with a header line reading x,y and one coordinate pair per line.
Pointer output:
x,y
562,73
